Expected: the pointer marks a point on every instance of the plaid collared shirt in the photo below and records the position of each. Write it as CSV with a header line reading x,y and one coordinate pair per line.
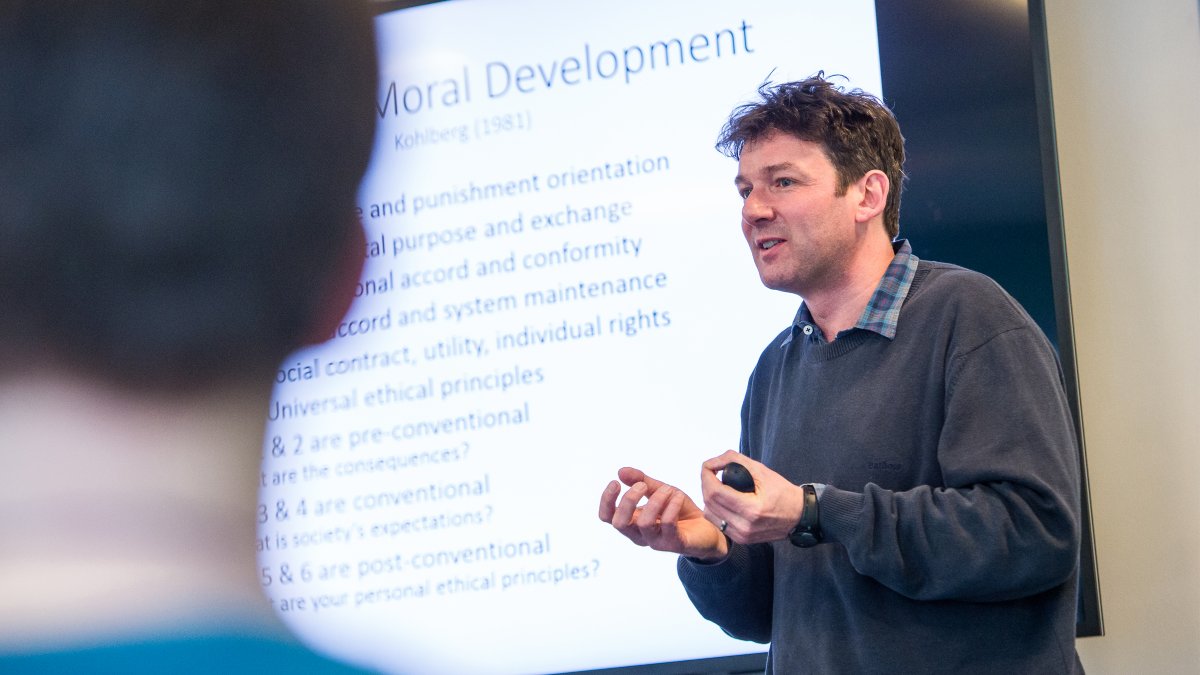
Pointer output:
x,y
882,313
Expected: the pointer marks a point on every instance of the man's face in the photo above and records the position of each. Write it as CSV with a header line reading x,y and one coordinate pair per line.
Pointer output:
x,y
801,234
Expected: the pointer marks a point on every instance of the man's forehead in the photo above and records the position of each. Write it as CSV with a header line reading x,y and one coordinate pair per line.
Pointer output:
x,y
778,140
778,150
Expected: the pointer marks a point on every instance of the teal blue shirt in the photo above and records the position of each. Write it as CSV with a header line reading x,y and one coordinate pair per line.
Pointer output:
x,y
195,655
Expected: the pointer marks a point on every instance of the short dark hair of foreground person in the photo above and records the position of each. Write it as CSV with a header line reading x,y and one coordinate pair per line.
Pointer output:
x,y
176,182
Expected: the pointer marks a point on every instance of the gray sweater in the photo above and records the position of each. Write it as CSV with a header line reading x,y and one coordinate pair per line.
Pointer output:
x,y
951,516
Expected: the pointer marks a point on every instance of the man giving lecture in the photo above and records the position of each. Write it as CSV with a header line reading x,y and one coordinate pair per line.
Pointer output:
x,y
916,498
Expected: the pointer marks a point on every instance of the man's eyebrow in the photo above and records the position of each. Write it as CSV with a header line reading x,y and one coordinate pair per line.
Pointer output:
x,y
779,167
769,169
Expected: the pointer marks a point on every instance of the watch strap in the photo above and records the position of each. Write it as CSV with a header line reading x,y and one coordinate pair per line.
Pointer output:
x,y
808,531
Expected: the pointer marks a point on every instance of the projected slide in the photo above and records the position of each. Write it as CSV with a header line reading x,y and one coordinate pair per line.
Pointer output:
x,y
556,286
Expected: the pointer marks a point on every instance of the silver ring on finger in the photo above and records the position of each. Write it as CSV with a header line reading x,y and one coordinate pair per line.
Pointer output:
x,y
724,525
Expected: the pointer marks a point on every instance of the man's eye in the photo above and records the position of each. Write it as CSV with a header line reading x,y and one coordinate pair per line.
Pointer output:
x,y
785,182
744,192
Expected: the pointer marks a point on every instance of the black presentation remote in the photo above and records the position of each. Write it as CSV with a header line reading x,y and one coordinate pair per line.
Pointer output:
x,y
737,477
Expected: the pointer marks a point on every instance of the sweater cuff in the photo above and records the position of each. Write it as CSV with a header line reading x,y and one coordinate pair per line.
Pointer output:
x,y
724,570
841,513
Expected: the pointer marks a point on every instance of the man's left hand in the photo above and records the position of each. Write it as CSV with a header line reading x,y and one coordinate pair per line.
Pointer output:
x,y
768,514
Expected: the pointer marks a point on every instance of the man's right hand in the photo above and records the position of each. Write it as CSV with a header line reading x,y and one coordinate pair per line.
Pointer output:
x,y
668,521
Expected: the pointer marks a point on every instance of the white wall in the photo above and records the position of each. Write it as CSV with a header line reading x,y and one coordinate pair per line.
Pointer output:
x,y
1126,86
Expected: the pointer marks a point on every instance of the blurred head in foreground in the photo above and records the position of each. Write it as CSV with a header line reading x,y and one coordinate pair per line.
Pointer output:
x,y
177,183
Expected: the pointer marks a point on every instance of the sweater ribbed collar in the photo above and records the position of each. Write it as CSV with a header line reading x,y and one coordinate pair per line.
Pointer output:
x,y
882,313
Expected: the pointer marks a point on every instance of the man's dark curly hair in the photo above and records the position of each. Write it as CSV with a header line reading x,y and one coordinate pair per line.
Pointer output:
x,y
857,131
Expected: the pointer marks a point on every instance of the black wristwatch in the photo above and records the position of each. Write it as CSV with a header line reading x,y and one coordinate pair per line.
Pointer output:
x,y
808,530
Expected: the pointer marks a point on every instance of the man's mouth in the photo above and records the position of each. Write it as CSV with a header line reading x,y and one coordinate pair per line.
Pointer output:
x,y
768,244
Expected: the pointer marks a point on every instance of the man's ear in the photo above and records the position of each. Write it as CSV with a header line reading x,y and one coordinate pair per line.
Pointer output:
x,y
873,190
338,293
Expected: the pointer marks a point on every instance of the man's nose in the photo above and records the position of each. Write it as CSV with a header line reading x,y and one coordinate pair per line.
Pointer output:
x,y
756,209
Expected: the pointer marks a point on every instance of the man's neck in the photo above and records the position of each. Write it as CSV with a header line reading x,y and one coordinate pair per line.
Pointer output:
x,y
837,306
126,515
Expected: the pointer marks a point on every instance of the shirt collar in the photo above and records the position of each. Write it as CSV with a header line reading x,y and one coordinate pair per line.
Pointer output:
x,y
882,313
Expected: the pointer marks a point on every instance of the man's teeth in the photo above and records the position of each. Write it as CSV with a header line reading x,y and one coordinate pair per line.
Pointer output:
x,y
769,244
